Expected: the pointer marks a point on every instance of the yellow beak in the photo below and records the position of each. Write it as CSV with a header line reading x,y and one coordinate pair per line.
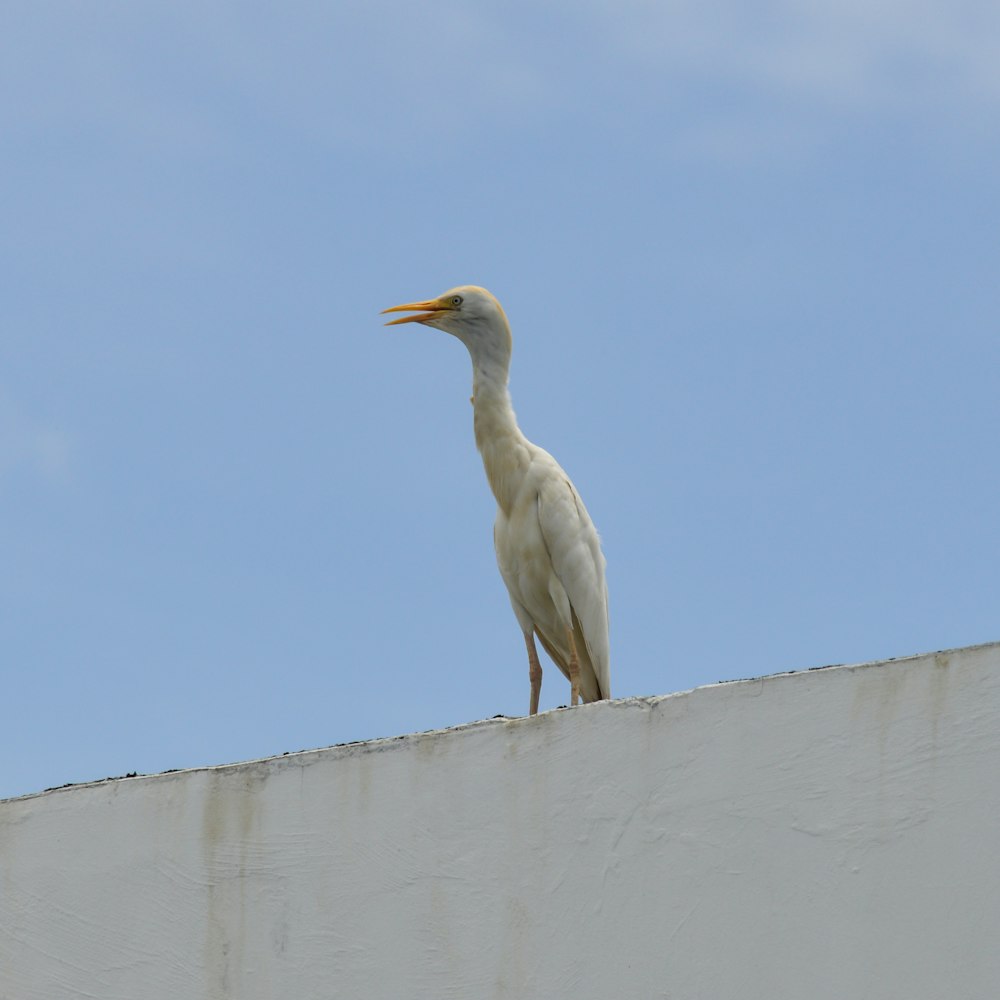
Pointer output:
x,y
425,311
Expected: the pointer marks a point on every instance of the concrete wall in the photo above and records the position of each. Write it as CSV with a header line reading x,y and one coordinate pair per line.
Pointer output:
x,y
826,834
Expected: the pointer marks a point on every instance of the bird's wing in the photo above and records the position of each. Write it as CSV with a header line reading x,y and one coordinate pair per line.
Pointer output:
x,y
575,551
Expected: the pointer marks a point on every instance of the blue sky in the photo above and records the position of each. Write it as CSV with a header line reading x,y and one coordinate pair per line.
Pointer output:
x,y
750,258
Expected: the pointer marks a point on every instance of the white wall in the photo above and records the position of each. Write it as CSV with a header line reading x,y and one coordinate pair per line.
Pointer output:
x,y
826,834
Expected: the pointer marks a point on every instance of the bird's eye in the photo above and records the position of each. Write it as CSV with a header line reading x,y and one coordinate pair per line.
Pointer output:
x,y
456,300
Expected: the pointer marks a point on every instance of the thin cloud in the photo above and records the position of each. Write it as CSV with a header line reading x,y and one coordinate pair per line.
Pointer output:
x,y
421,80
886,53
30,447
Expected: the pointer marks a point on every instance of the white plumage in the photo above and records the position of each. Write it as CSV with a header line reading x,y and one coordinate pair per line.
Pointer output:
x,y
547,547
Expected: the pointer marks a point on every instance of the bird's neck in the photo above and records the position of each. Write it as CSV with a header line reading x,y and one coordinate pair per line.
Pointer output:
x,y
504,449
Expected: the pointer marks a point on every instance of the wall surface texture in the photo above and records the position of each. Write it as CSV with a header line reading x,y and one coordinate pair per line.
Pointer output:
x,y
833,833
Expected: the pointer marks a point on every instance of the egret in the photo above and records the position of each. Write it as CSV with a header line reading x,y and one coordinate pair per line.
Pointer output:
x,y
547,548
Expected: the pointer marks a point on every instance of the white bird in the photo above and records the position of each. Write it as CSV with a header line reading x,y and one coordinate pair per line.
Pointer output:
x,y
547,547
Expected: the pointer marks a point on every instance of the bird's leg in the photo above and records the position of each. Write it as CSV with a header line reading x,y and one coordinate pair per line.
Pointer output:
x,y
574,669
534,672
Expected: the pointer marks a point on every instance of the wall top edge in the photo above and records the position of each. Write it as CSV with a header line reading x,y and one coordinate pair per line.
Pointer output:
x,y
383,743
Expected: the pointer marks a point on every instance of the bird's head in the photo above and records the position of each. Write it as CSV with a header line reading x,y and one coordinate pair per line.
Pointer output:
x,y
468,312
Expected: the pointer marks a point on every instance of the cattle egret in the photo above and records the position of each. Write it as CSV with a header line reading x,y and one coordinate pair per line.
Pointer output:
x,y
547,547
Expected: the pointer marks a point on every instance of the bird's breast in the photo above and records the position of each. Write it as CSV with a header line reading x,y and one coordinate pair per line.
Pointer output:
x,y
523,558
